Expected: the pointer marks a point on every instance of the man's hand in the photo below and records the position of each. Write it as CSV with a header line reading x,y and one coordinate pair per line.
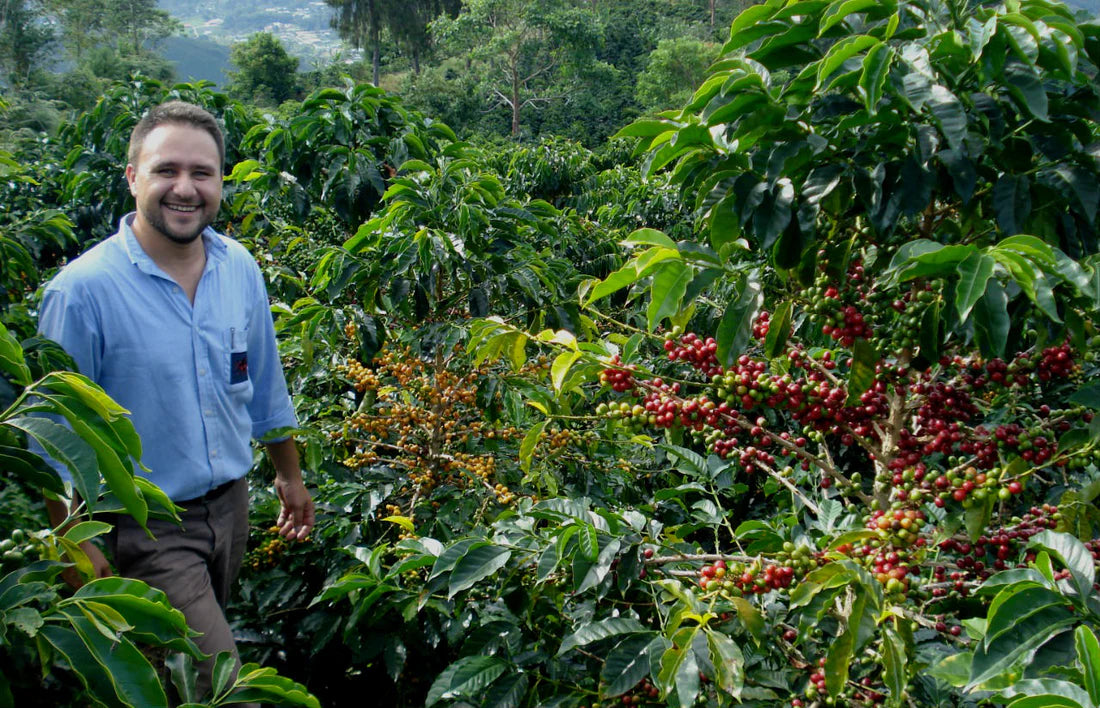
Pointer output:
x,y
100,566
296,517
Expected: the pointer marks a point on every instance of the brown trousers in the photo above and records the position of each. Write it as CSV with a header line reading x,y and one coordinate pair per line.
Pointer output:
x,y
195,563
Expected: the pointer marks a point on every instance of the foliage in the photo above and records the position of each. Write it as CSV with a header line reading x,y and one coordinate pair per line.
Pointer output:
x,y
672,72
24,39
265,74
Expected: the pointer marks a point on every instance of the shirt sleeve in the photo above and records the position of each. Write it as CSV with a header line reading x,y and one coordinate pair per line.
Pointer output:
x,y
65,320
271,406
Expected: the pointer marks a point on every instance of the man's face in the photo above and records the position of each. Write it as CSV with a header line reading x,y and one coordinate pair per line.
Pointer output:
x,y
177,182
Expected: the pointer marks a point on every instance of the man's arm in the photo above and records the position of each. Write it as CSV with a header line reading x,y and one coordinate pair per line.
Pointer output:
x,y
58,514
296,517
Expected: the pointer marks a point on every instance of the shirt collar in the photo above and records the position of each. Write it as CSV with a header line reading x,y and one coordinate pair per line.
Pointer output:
x,y
215,249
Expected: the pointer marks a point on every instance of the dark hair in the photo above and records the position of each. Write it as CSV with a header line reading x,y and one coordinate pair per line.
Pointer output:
x,y
175,112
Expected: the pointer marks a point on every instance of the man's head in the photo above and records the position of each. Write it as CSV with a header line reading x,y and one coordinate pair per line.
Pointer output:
x,y
175,112
175,173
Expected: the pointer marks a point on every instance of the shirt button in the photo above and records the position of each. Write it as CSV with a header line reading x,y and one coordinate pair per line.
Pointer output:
x,y
208,412
202,372
213,453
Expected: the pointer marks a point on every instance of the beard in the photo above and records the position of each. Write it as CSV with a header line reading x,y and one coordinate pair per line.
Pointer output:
x,y
156,219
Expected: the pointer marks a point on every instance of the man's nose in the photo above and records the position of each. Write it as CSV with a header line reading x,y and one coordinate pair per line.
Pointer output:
x,y
184,186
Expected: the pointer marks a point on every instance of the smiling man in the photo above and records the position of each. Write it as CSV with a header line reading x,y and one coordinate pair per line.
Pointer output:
x,y
172,319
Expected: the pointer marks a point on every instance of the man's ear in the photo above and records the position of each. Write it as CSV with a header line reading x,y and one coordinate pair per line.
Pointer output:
x,y
131,175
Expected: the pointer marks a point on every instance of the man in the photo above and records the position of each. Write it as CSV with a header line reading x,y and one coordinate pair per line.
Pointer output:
x,y
172,320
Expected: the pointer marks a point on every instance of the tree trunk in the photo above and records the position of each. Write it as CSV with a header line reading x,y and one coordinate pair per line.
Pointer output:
x,y
712,3
376,54
515,101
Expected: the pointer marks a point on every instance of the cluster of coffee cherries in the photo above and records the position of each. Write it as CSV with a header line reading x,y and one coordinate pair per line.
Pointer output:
x,y
620,378
269,551
696,351
993,551
761,325
739,579
19,547
864,692
1056,363
836,310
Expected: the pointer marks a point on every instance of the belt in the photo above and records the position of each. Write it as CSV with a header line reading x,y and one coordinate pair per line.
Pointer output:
x,y
210,496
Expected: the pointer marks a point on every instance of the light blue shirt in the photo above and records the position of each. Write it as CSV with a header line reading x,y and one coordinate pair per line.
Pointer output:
x,y
201,380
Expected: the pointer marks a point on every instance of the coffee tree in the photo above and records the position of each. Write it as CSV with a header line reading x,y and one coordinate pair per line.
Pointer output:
x,y
889,347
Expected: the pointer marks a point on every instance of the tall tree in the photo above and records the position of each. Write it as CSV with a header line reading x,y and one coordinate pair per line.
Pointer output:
x,y
140,24
360,22
266,75
81,23
25,39
523,46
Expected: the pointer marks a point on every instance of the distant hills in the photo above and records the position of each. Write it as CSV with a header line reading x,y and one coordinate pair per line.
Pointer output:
x,y
213,26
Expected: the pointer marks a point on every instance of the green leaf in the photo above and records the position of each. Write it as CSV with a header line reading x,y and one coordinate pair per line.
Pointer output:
x,y
1082,185
1088,658
588,574
667,292
588,542
1012,202
894,660
225,664
840,10
728,662
645,129
64,447
1015,604
649,237
1018,644
15,460
87,668
679,670
862,375
974,274
506,692
1073,555
843,647
841,52
751,618
779,331
132,676
628,663
87,530
602,629
1088,395
466,678
11,358
623,277
953,669
527,446
876,67
949,113
735,327
263,684
978,515
1026,86
991,323
477,564
560,368
1046,693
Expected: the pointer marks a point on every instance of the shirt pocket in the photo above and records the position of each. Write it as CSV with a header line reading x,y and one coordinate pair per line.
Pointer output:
x,y
236,339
